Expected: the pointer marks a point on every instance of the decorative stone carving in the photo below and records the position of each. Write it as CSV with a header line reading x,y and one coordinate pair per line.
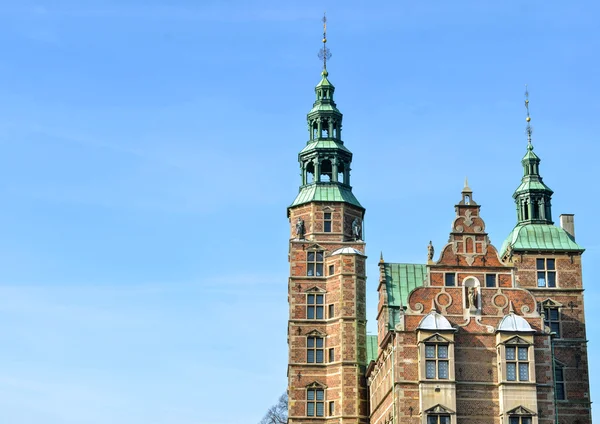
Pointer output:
x,y
468,219
356,229
300,228
430,251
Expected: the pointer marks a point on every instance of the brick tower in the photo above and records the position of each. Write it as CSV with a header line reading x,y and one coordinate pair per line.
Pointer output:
x,y
547,261
326,289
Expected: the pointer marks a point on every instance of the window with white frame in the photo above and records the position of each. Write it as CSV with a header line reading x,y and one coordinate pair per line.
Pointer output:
x,y
517,363
546,272
438,419
314,349
552,318
436,361
519,419
315,402
314,263
315,306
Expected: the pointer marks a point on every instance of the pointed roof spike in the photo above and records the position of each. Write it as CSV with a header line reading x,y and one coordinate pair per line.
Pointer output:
x,y
511,307
381,257
433,307
466,188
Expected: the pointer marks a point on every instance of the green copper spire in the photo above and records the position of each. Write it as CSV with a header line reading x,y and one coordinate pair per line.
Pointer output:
x,y
533,197
325,161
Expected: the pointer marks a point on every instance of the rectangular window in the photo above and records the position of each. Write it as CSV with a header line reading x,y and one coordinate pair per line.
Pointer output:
x,y
438,419
314,306
519,420
331,408
314,264
552,320
331,311
559,383
314,350
517,363
331,355
436,364
314,402
450,280
490,280
546,272
327,222
331,269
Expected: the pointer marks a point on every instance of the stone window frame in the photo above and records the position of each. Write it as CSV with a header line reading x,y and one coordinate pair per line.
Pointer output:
x,y
315,292
495,280
315,251
520,415
450,273
548,305
315,387
516,342
546,272
315,348
327,222
436,339
438,412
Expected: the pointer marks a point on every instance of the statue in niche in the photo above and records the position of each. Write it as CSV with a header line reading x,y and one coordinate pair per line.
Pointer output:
x,y
472,295
356,229
300,228
509,253
430,251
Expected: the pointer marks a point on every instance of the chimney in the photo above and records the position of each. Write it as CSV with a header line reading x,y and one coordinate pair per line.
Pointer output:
x,y
567,223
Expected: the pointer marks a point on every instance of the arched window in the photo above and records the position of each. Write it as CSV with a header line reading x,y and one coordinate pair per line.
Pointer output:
x,y
326,171
310,173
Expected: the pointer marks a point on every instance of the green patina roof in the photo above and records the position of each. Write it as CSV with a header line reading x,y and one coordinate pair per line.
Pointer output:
x,y
532,184
401,279
323,192
540,237
324,81
371,348
323,107
324,144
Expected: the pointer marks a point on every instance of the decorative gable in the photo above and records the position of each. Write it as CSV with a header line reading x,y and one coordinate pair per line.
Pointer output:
x,y
517,341
439,409
316,333
437,338
316,385
315,289
520,410
550,303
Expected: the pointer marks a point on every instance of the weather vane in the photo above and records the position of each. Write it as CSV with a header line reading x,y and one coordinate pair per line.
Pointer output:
x,y
324,53
528,119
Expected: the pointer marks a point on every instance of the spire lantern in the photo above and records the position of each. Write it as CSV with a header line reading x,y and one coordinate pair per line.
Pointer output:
x,y
325,161
532,197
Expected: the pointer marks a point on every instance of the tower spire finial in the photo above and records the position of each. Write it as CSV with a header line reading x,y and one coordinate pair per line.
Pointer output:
x,y
528,129
324,53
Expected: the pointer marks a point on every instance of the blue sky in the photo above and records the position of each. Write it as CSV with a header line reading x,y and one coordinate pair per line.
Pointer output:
x,y
149,152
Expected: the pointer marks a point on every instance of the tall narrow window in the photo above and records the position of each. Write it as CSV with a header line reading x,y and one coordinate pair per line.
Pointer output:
x,y
314,264
327,222
490,280
552,319
331,311
559,382
450,280
331,355
314,306
314,350
436,361
546,272
331,408
517,363
315,402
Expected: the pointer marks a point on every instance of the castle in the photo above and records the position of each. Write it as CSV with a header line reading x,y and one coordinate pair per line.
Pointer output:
x,y
477,334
